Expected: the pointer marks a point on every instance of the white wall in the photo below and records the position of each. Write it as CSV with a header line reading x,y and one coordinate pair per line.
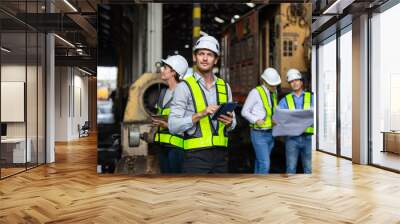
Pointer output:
x,y
16,73
61,103
81,104
71,102
33,126
11,73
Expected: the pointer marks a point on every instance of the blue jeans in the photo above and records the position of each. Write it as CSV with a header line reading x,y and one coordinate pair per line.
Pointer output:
x,y
263,143
298,146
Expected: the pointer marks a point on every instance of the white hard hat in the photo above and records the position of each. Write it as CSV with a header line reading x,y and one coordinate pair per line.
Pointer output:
x,y
177,63
293,74
207,42
271,76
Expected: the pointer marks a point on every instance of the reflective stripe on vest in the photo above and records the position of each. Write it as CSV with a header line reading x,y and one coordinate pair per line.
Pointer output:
x,y
208,137
306,106
168,138
268,110
163,136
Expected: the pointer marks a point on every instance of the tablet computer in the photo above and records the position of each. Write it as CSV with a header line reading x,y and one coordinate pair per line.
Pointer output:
x,y
224,109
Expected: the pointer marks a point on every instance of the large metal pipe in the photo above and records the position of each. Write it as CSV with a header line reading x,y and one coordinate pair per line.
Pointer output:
x,y
143,95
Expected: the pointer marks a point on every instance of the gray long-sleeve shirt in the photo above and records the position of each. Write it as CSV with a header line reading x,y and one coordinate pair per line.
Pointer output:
x,y
253,108
182,107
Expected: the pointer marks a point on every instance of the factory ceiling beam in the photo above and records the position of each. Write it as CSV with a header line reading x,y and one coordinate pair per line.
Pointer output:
x,y
86,26
82,61
45,22
74,12
320,23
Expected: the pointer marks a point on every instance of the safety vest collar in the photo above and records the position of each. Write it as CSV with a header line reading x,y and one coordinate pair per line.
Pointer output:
x,y
199,79
160,101
306,100
301,94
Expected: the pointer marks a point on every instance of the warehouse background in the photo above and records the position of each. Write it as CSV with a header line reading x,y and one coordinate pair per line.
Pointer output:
x,y
252,37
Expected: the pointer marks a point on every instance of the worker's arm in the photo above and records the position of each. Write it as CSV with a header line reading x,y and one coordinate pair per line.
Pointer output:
x,y
250,102
179,120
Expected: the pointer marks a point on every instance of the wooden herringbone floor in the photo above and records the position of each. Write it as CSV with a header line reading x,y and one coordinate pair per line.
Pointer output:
x,y
70,191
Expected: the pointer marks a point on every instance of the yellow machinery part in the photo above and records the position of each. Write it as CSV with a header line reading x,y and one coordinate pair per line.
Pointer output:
x,y
136,111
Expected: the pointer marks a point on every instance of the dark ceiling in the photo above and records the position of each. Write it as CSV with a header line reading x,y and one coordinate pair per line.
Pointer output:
x,y
81,27
178,24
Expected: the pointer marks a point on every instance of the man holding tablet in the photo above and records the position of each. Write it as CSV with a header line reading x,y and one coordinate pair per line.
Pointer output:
x,y
194,102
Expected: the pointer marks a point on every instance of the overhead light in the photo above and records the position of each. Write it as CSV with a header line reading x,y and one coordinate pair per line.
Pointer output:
x,y
70,5
187,46
219,19
232,20
250,4
236,16
176,52
64,40
5,50
84,71
79,50
203,33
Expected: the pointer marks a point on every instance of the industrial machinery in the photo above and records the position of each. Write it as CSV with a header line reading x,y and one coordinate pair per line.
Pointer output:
x,y
137,132
277,36
270,36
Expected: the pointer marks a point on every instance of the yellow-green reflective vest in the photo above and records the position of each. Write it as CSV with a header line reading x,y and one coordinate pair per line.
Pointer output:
x,y
306,106
162,135
208,136
268,109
